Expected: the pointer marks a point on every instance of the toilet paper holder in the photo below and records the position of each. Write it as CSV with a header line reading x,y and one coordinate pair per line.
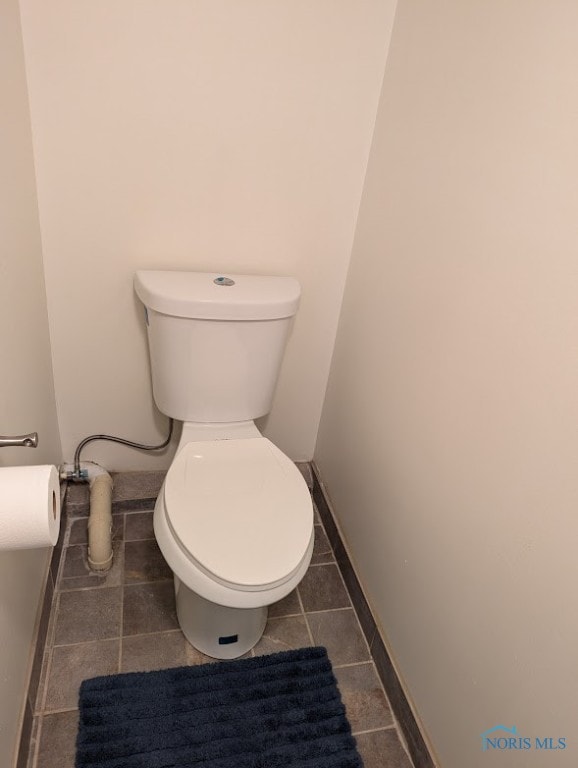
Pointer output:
x,y
25,441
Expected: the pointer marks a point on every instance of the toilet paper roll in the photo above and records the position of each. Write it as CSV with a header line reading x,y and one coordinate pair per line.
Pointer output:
x,y
29,507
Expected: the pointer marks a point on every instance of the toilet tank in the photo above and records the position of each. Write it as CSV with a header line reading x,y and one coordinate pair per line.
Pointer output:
x,y
216,341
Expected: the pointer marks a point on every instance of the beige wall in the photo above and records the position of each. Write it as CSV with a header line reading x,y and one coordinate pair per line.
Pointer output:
x,y
203,135
449,437
26,390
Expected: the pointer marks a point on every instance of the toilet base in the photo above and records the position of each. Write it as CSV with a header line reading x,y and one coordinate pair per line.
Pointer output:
x,y
215,630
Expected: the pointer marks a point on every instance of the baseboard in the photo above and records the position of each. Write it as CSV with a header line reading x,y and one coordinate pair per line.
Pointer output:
x,y
400,705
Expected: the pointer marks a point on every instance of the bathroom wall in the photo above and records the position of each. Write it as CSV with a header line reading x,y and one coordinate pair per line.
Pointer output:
x,y
448,441
203,135
26,391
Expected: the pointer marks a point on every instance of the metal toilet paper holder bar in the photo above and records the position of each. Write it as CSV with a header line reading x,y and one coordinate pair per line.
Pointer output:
x,y
24,441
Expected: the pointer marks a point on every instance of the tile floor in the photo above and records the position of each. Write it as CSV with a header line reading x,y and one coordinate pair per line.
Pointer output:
x,y
126,621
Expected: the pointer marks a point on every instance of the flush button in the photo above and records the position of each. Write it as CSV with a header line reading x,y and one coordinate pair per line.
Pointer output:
x,y
223,281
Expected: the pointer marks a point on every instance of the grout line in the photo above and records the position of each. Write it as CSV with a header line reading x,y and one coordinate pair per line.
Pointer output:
x,y
46,682
400,733
150,581
144,538
160,632
111,586
309,632
61,711
331,610
86,642
33,759
374,730
67,588
66,535
355,664
329,562
49,648
121,620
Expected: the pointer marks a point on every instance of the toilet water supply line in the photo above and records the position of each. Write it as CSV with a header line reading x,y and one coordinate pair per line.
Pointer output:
x,y
100,484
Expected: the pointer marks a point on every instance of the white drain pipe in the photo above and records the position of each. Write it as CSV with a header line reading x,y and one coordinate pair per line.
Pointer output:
x,y
100,522
100,516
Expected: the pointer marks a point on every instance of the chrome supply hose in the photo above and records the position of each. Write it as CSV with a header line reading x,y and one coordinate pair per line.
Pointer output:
x,y
141,446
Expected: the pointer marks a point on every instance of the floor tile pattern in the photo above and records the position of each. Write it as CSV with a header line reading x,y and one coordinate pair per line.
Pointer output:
x,y
125,621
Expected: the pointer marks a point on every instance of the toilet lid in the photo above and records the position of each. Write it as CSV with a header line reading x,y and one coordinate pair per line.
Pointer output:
x,y
240,509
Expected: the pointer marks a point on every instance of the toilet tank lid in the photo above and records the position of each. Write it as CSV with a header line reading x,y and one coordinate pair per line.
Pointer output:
x,y
217,296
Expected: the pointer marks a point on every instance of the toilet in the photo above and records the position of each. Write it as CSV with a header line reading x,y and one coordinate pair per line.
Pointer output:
x,y
234,517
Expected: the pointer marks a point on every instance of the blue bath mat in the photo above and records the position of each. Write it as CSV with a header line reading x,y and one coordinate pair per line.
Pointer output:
x,y
278,711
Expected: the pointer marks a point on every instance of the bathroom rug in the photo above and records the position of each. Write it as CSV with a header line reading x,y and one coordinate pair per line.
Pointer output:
x,y
277,711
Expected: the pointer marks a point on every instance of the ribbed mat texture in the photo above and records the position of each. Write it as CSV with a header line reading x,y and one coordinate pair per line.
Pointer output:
x,y
265,712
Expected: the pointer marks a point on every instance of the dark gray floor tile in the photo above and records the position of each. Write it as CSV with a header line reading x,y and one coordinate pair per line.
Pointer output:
x,y
77,500
322,552
79,530
159,650
316,515
149,608
382,749
357,596
76,574
136,490
118,527
363,696
339,632
58,740
283,634
75,563
289,606
399,704
305,468
138,525
88,614
137,485
71,664
322,589
143,561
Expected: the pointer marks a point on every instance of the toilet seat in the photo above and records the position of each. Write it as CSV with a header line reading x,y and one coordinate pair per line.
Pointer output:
x,y
240,510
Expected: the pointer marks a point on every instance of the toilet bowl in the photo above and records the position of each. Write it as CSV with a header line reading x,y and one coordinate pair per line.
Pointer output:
x,y
234,521
234,518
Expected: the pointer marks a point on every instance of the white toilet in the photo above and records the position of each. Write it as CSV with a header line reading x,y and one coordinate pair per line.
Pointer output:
x,y
234,518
